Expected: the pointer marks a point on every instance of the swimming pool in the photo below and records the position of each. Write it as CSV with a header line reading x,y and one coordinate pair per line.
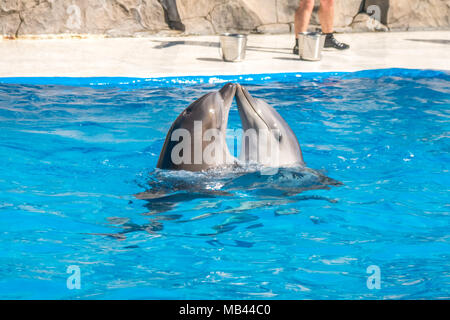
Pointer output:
x,y
74,152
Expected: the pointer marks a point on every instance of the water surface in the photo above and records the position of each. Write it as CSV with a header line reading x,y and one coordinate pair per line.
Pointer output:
x,y
73,156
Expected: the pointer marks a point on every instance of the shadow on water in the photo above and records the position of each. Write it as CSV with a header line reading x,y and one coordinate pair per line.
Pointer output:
x,y
249,189
128,227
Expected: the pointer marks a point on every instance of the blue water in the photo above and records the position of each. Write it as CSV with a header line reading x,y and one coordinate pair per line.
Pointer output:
x,y
75,152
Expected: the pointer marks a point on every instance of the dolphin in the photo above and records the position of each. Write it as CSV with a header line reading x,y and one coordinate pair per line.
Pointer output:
x,y
267,138
196,139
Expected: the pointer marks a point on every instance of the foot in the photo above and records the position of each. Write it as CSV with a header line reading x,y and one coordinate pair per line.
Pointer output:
x,y
295,49
332,42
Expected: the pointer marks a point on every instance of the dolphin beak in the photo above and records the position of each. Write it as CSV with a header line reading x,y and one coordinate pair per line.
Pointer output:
x,y
228,92
247,107
244,99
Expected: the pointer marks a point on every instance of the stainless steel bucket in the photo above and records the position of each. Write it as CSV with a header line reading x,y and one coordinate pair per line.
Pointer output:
x,y
310,45
233,46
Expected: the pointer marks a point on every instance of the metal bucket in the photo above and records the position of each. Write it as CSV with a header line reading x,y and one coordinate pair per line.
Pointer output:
x,y
233,46
310,45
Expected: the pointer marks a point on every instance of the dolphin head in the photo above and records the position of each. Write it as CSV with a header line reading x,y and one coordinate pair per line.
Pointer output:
x,y
205,123
212,109
260,119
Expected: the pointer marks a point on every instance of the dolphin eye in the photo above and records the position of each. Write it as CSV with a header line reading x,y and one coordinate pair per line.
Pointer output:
x,y
188,110
278,135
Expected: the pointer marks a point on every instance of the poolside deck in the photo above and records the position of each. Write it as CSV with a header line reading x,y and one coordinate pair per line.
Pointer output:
x,y
180,56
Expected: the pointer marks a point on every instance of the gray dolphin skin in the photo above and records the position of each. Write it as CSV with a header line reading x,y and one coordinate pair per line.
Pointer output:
x,y
258,117
207,114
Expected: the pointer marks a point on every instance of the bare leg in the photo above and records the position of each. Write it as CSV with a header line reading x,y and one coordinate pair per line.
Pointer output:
x,y
326,15
302,16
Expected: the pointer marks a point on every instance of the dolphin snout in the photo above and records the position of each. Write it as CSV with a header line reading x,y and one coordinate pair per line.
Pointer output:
x,y
243,98
246,103
239,94
228,92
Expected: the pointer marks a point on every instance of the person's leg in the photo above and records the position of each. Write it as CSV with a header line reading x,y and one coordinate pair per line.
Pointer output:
x,y
326,15
302,16
301,20
326,18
